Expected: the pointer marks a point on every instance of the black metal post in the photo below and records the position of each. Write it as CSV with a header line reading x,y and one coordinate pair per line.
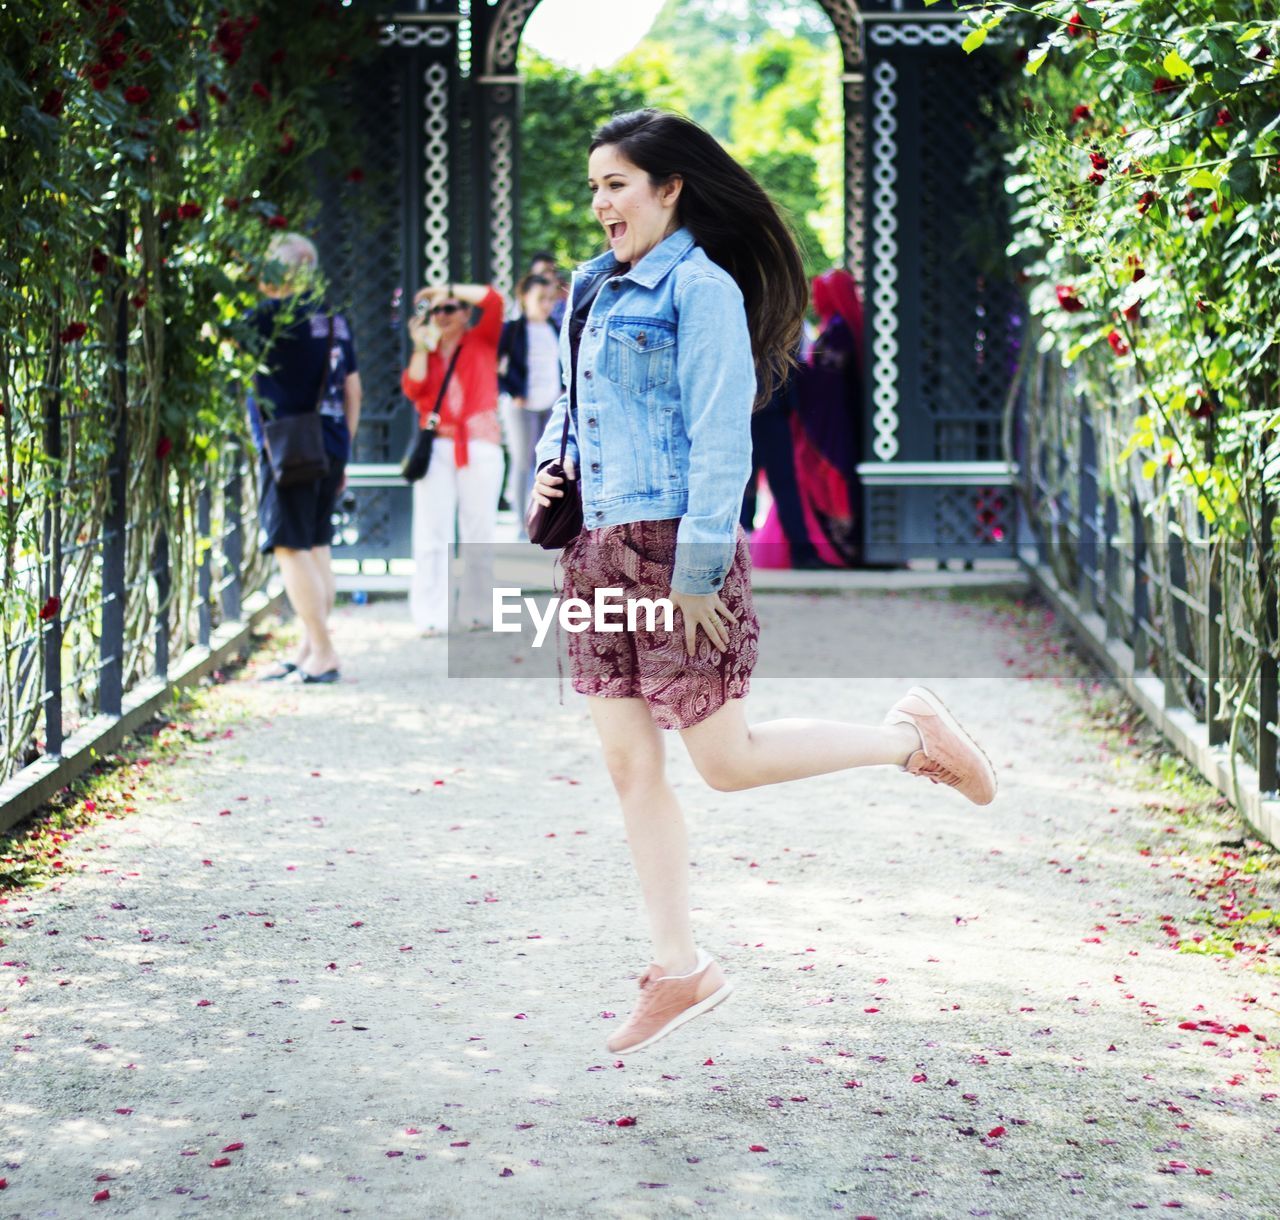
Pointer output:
x,y
164,587
53,569
111,645
233,537
1088,496
204,573
1268,678
1215,721
1110,566
1141,603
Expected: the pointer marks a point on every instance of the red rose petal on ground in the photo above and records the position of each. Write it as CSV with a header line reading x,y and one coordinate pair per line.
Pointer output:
x,y
625,1121
102,1196
995,1133
757,1148
234,1147
507,1173
221,1163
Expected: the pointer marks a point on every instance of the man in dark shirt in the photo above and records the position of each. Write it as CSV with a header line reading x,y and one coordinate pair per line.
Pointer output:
x,y
308,357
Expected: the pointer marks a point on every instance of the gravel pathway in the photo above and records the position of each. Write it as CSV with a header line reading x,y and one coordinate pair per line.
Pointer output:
x,y
358,955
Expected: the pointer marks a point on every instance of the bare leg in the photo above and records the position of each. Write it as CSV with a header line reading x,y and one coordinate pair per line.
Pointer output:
x,y
731,754
635,755
304,582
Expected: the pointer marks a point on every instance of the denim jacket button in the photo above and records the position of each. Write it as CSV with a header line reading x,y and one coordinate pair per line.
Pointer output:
x,y
591,422
587,374
595,465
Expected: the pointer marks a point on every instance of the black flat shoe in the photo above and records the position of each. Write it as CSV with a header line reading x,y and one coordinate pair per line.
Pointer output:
x,y
327,678
281,671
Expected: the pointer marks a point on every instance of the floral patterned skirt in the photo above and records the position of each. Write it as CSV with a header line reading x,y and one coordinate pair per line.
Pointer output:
x,y
651,663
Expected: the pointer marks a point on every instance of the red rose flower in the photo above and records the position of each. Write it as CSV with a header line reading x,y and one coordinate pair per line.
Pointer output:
x,y
164,447
1118,345
1076,26
1202,305
277,222
1224,117
231,203
139,299
1080,113
1204,408
1096,178
286,145
1134,311
260,90
1067,299
137,95
53,103
98,261
144,56
355,174
1194,213
1145,200
189,211
74,332
188,122
50,609
277,56
100,80
1162,85
1097,160
218,94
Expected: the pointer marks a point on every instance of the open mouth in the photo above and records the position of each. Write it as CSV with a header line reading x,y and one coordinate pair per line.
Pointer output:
x,y
617,230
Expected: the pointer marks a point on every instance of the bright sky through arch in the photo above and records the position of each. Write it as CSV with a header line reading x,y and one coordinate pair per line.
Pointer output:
x,y
587,34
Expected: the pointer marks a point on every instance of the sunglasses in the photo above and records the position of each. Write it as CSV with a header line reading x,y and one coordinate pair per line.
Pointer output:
x,y
445,309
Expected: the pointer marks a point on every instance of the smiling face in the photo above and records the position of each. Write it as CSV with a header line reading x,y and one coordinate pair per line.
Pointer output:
x,y
635,214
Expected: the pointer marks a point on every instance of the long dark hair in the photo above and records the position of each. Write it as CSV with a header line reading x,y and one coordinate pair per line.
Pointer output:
x,y
733,220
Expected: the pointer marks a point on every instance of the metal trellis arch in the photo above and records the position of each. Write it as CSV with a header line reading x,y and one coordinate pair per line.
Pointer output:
x,y
943,328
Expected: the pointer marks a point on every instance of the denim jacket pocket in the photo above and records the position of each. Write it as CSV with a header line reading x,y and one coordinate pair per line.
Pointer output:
x,y
640,352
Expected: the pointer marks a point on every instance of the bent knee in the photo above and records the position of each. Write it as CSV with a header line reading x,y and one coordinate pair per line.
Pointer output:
x,y
723,775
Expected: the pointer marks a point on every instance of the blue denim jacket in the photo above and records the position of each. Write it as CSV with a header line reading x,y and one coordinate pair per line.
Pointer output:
x,y
665,387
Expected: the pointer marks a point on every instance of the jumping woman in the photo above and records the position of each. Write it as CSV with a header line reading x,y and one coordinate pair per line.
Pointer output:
x,y
676,332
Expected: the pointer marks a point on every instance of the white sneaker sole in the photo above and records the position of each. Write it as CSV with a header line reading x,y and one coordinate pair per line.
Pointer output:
x,y
689,1013
953,724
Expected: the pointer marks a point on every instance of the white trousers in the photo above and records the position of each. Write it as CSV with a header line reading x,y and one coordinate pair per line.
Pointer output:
x,y
449,503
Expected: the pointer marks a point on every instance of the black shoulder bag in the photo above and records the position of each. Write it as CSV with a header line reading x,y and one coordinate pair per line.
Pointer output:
x,y
295,443
417,458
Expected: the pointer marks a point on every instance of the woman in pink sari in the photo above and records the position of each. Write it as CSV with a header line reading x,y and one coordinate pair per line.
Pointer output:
x,y
826,432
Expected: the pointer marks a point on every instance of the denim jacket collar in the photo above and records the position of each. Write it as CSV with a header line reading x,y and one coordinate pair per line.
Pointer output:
x,y
650,269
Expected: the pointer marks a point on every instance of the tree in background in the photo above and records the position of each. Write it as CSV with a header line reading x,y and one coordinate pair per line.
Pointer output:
x,y
764,79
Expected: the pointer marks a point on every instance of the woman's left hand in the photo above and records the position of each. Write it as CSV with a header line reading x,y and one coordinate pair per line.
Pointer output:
x,y
707,611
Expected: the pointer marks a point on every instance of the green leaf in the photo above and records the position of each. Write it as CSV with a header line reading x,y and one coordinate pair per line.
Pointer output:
x,y
1149,468
1203,178
974,39
1035,61
1175,65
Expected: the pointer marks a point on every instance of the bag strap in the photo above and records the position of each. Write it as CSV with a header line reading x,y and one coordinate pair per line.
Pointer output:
x,y
575,340
433,420
324,376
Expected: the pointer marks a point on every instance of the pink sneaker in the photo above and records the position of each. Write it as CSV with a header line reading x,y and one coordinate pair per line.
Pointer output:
x,y
949,755
667,1001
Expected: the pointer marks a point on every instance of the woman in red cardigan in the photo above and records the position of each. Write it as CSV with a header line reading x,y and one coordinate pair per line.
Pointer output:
x,y
458,497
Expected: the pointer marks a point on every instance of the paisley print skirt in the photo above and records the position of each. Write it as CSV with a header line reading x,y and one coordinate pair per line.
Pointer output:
x,y
652,664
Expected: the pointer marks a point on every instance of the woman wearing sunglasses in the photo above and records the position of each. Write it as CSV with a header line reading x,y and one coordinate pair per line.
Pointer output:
x,y
458,496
